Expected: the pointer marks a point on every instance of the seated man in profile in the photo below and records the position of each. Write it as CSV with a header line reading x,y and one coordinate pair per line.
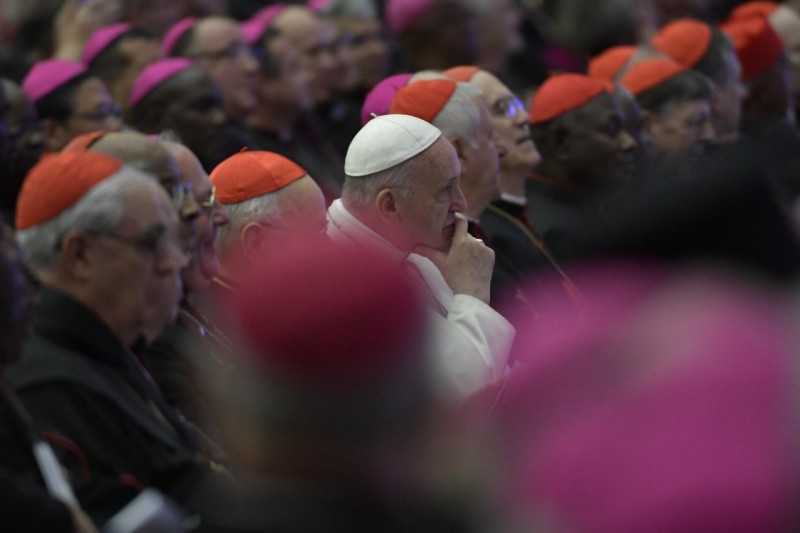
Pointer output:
x,y
103,239
402,196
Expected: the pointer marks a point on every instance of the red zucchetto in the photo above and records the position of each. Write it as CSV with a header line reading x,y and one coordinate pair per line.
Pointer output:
x,y
757,45
753,9
423,99
563,93
249,174
684,40
607,64
57,182
461,73
647,74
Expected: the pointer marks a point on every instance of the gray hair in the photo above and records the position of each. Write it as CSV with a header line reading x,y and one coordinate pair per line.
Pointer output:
x,y
99,210
264,208
358,192
461,116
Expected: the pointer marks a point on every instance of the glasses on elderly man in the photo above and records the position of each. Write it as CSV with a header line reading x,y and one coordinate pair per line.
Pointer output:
x,y
208,204
508,107
155,240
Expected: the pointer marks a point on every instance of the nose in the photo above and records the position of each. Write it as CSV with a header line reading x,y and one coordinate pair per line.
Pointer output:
x,y
219,215
189,208
522,117
175,258
217,116
708,134
625,141
459,203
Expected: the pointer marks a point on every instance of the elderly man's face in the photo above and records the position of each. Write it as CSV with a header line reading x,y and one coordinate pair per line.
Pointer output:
x,y
427,211
726,105
684,129
316,46
510,121
221,49
600,151
136,267
197,116
205,259
93,109
139,52
480,170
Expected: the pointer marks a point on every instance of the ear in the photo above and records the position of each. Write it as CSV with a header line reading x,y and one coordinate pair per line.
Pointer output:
x,y
76,258
648,122
56,133
251,240
386,205
459,144
558,142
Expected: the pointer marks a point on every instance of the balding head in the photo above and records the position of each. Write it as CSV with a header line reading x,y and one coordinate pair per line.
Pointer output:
x,y
142,152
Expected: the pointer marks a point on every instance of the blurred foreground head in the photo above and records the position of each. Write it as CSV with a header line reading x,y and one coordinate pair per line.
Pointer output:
x,y
670,406
330,362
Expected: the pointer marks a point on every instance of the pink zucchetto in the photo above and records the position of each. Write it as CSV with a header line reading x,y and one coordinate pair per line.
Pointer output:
x,y
48,75
101,40
254,28
668,407
155,74
380,97
174,34
402,14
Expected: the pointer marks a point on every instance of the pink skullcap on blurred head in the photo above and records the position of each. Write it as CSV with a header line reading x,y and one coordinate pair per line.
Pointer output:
x,y
259,23
380,97
155,74
684,40
402,14
757,45
326,314
668,407
317,5
174,34
102,39
563,93
461,73
607,64
648,74
48,75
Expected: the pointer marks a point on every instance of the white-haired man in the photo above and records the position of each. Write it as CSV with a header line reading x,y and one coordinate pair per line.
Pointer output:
x,y
103,239
402,195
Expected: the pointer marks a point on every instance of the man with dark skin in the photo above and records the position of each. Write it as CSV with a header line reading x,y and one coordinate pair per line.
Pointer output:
x,y
184,99
578,128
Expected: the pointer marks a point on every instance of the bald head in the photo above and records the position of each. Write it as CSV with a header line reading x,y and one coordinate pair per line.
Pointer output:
x,y
143,153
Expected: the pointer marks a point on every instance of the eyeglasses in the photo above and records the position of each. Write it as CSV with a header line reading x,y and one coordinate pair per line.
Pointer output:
x,y
508,107
212,199
179,192
155,240
101,115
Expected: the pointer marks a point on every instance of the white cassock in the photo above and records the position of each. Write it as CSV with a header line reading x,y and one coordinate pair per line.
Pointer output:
x,y
470,341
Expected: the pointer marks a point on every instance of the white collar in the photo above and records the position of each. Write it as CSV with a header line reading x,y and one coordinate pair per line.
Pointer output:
x,y
514,199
